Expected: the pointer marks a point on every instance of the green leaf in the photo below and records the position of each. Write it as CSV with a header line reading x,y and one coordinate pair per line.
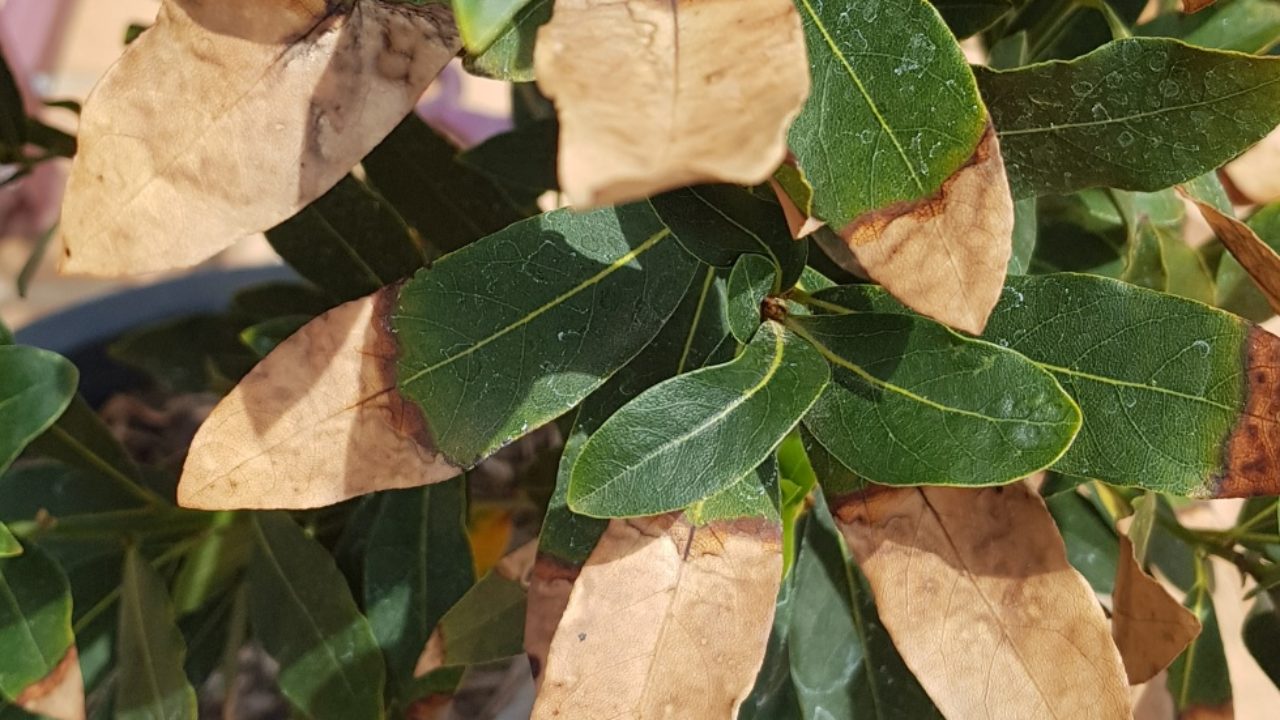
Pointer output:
x,y
894,109
1198,679
1136,114
1092,545
510,54
484,626
690,437
1251,26
1085,232
1165,384
182,355
447,203
213,565
753,278
81,439
349,242
754,495
303,614
9,545
720,223
843,662
970,17
35,388
263,337
508,334
150,651
1262,636
521,162
1160,259
1025,232
13,116
417,565
258,303
1236,290
481,21
35,619
913,403
774,695
696,335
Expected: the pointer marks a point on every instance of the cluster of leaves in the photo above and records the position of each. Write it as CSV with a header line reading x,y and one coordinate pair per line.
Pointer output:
x,y
784,491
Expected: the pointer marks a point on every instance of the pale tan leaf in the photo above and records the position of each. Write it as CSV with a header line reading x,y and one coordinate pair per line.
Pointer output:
x,y
1150,628
227,117
60,695
945,255
1255,256
318,421
1256,174
975,589
658,94
664,621
549,590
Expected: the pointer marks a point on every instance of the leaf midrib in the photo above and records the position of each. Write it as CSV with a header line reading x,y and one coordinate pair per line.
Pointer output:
x,y
613,267
135,608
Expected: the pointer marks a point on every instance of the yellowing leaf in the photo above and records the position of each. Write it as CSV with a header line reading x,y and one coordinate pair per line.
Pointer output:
x,y
665,620
945,255
60,695
225,118
1150,627
318,421
1255,256
1254,175
975,589
489,531
657,94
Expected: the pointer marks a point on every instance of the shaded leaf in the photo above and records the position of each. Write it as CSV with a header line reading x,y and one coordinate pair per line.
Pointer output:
x,y
991,626
1137,114
13,116
303,614
266,336
512,332
181,355
510,56
1025,234
753,278
317,422
349,242
689,110
35,388
417,565
1251,26
1199,680
691,436
1092,546
1150,628
1262,636
487,623
213,565
1237,292
81,439
9,545
657,594
521,162
153,186
719,223
969,17
35,630
150,651
447,203
908,403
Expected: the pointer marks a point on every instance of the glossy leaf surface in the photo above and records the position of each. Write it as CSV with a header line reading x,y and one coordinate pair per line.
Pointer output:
x,y
35,388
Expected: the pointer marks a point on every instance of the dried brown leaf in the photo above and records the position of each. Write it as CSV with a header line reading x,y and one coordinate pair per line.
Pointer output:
x,y
318,421
1150,627
943,256
658,94
1255,175
227,117
60,695
549,590
1255,256
665,616
975,589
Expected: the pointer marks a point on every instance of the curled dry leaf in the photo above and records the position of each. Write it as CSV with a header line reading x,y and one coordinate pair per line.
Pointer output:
x,y
1255,256
944,255
225,118
1150,628
975,589
694,104
1253,175
60,695
318,421
681,614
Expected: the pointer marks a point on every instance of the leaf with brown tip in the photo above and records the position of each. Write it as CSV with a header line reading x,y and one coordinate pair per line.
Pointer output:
x,y
1255,256
225,118
316,422
944,256
665,615
693,104
1150,627
60,695
975,589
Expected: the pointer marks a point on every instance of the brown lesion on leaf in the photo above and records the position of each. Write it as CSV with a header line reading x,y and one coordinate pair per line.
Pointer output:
x,y
549,590
58,695
1252,450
